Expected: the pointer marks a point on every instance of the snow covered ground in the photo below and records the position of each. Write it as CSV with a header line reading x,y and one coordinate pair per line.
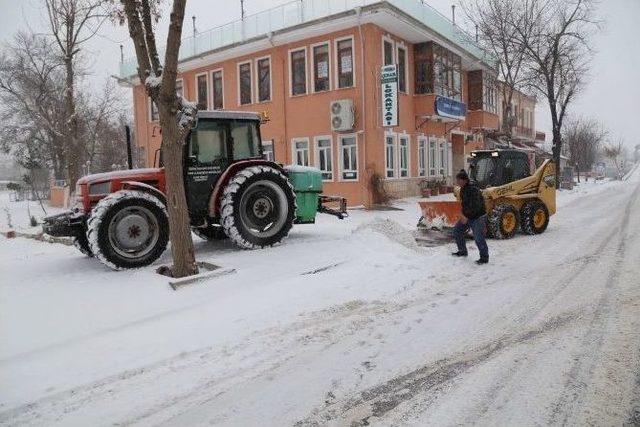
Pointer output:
x,y
340,325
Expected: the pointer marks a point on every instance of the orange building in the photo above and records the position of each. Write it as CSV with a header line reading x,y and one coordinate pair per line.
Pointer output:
x,y
316,69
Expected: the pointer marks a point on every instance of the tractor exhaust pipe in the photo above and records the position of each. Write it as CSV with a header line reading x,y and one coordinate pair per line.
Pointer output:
x,y
127,131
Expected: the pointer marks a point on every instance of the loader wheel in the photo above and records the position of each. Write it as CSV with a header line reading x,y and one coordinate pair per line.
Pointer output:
x,y
535,217
258,207
503,221
128,229
82,244
213,232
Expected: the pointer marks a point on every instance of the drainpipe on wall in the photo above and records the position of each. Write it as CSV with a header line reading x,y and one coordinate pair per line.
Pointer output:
x,y
365,192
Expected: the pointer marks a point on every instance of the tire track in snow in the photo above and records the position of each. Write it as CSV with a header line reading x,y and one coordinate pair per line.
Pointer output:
x,y
377,401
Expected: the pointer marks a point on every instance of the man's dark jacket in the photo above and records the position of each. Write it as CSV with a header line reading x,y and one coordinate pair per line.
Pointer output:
x,y
472,201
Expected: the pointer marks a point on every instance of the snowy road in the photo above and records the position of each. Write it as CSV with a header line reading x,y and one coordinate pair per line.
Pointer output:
x,y
547,334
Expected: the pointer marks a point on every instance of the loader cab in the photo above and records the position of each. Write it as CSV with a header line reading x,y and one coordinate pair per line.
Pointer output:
x,y
494,168
218,139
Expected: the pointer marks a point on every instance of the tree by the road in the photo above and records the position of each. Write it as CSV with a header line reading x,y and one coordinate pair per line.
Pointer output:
x,y
72,23
583,138
555,36
176,115
33,115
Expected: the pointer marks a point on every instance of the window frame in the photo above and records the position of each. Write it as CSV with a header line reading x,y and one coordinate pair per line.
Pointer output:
x,y
387,39
257,77
423,157
432,156
181,80
341,138
306,71
238,65
206,76
213,99
313,66
442,167
150,105
269,142
404,136
294,150
337,62
394,158
317,149
401,46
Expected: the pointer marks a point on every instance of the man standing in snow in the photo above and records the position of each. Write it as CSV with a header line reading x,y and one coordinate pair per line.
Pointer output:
x,y
474,217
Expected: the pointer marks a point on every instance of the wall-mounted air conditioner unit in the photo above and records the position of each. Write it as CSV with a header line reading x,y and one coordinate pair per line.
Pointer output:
x,y
342,114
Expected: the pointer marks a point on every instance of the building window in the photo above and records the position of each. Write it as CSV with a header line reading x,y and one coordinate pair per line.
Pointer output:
x,y
321,68
387,52
244,80
447,71
264,79
403,156
301,151
324,157
345,63
267,151
390,155
179,88
202,91
433,152
402,69
423,70
349,157
154,115
218,89
437,70
489,93
442,157
422,156
299,72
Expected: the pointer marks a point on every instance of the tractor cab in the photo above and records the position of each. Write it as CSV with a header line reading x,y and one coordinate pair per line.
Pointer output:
x,y
217,141
494,168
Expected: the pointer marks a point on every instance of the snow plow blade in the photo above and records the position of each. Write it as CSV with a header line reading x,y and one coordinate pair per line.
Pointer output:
x,y
439,214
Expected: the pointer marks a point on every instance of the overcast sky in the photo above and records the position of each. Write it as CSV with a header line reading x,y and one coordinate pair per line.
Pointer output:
x,y
612,94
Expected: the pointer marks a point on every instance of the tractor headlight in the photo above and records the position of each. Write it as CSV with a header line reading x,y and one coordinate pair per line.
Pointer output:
x,y
100,188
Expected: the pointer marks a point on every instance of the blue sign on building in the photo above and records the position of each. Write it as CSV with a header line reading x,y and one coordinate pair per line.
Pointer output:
x,y
450,108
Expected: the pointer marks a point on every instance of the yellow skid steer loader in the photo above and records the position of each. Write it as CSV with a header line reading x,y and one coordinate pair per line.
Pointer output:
x,y
513,197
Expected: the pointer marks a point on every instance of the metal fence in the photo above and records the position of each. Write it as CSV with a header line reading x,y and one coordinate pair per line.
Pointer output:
x,y
301,11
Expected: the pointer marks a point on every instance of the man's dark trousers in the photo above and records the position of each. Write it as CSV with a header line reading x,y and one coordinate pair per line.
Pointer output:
x,y
477,226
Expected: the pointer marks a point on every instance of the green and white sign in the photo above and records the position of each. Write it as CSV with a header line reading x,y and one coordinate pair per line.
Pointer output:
x,y
389,84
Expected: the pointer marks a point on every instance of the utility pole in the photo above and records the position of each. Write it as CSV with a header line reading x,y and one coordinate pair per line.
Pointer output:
x,y
453,13
242,13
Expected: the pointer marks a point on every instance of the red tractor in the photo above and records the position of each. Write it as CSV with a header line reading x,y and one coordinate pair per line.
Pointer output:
x,y
232,192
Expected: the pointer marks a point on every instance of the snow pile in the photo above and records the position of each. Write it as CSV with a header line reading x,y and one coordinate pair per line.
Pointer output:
x,y
390,229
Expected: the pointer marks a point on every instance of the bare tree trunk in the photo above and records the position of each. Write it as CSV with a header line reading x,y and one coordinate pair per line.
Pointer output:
x,y
171,110
74,155
173,140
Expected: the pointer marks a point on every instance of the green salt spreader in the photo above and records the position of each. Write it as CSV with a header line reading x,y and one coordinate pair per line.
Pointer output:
x,y
307,184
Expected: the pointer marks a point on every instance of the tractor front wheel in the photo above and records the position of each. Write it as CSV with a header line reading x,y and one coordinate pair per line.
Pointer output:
x,y
258,207
503,221
535,217
82,244
128,229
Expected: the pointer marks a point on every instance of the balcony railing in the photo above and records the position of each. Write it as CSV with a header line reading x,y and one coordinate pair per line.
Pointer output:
x,y
302,11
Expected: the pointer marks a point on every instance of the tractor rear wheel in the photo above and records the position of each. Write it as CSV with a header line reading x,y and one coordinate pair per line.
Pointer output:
x,y
128,229
534,217
82,244
212,232
258,207
503,221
